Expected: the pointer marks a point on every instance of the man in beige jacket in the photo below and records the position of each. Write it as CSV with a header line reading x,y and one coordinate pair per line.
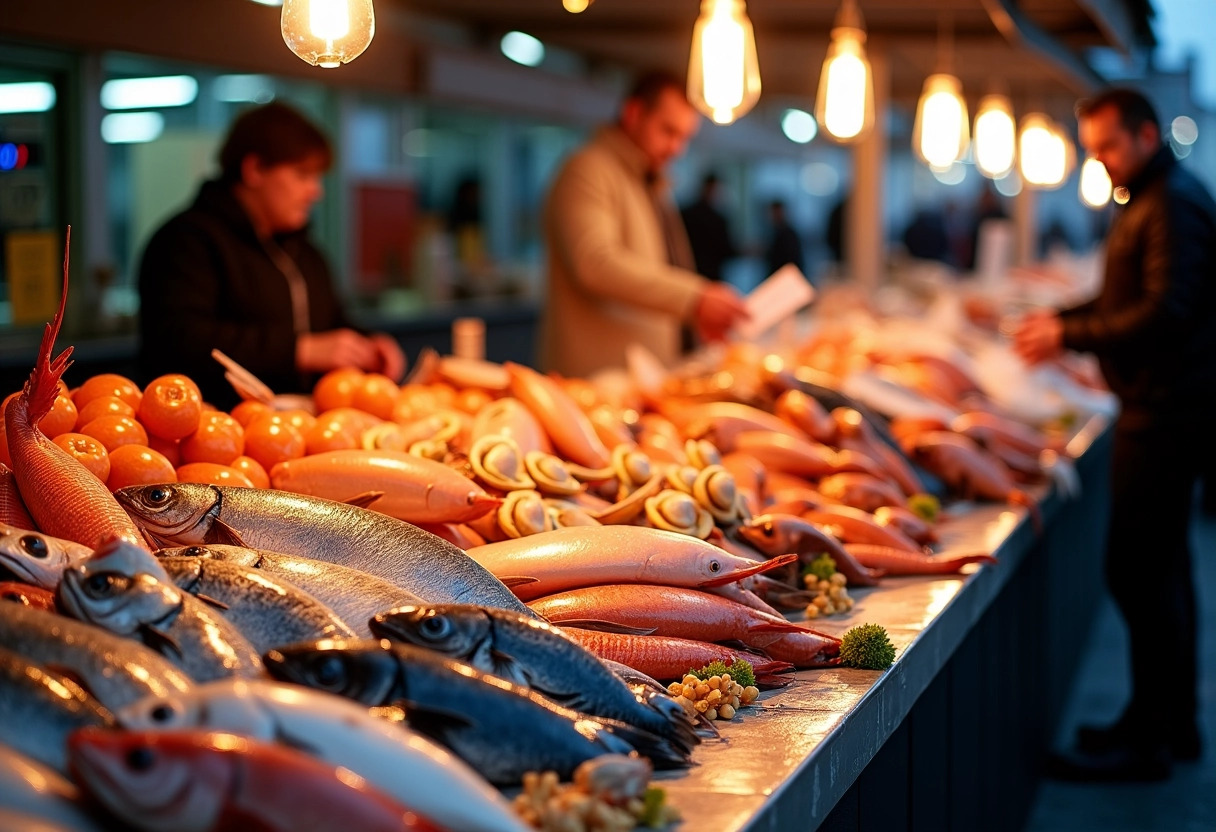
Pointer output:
x,y
620,266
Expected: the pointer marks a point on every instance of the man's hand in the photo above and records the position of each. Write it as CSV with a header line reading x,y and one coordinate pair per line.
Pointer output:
x,y
391,358
318,352
1039,336
718,309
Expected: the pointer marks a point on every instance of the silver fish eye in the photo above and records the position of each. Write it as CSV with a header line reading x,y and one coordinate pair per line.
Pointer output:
x,y
161,713
329,671
141,758
34,546
715,566
195,552
436,626
101,585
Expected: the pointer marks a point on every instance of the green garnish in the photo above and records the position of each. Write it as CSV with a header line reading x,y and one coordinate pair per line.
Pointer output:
x,y
867,647
740,671
652,816
822,567
925,506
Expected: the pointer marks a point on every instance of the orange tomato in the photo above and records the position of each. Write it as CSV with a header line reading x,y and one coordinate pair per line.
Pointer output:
x,y
56,421
172,407
219,439
170,449
116,431
444,395
356,421
212,474
138,465
301,420
108,384
329,437
253,470
376,394
248,410
471,400
103,406
271,441
337,388
87,451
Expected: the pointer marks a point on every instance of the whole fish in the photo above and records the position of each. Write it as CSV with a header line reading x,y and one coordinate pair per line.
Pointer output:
x,y
13,821
106,592
194,781
579,556
352,594
775,534
37,558
899,562
27,595
39,709
31,788
562,419
268,613
414,560
671,658
864,491
852,525
399,762
535,655
12,510
912,525
501,729
114,670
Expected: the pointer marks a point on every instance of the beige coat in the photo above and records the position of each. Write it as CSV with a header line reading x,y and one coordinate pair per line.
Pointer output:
x,y
610,282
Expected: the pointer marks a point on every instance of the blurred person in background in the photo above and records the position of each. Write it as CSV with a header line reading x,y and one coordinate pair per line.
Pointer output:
x,y
236,271
708,231
784,244
621,269
1153,328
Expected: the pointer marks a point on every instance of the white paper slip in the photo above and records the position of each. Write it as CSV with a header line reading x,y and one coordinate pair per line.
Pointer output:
x,y
785,292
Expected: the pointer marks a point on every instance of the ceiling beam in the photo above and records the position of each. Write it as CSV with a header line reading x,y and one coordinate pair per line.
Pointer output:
x,y
1019,30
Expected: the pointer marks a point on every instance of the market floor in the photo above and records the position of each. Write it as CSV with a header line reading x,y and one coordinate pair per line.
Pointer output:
x,y
1186,802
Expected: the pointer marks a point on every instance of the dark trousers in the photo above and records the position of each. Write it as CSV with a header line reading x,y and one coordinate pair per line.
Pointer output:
x,y
1148,571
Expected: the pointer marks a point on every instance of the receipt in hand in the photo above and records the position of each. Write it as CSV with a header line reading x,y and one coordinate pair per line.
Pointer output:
x,y
784,293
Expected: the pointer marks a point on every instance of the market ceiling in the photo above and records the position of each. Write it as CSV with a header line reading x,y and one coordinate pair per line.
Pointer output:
x,y
1034,47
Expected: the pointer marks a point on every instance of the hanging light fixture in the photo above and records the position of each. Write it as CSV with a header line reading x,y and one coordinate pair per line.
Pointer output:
x,y
941,132
1043,151
723,73
844,106
328,33
995,140
1095,184
576,6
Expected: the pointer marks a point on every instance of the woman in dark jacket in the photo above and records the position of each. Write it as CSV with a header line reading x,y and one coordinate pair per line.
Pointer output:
x,y
236,271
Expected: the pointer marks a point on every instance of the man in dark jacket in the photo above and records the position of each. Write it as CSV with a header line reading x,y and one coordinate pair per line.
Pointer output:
x,y
237,272
1153,328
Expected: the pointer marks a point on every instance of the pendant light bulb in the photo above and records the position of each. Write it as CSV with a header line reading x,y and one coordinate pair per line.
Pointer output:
x,y
941,132
1095,186
723,72
844,106
576,6
995,142
1044,152
328,33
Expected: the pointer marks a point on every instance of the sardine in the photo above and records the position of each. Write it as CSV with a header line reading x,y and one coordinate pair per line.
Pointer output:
x,y
417,561
535,655
104,591
30,788
115,670
267,612
39,708
351,593
403,764
501,729
37,558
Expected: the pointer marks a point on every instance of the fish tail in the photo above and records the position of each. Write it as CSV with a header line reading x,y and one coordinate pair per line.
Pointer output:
x,y
43,386
672,721
663,753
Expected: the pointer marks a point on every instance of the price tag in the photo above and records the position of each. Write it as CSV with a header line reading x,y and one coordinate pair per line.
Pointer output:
x,y
31,261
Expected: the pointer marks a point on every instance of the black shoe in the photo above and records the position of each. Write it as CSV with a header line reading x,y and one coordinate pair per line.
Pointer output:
x,y
1119,766
1185,745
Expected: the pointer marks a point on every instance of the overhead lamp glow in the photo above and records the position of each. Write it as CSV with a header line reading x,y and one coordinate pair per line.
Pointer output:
x,y
235,89
144,93
941,132
523,48
1043,152
723,71
327,33
1009,185
1184,130
845,103
132,128
953,174
1095,184
995,140
799,126
27,97
269,2
576,6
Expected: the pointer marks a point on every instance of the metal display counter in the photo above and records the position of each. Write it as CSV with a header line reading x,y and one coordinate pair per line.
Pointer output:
x,y
952,735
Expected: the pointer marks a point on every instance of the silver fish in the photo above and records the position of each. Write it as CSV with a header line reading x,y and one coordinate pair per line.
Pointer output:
x,y
267,612
115,670
30,788
13,821
501,729
351,593
104,591
39,709
415,560
535,655
37,558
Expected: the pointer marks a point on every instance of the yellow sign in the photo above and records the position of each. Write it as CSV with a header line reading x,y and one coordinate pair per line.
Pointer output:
x,y
31,263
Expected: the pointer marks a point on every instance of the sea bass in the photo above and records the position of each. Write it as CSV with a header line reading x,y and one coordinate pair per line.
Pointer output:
x,y
37,558
417,561
399,762
29,787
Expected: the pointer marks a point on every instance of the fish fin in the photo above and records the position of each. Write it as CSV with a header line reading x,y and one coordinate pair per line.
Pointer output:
x,y
606,627
517,580
42,388
207,599
221,534
436,720
364,500
506,666
160,641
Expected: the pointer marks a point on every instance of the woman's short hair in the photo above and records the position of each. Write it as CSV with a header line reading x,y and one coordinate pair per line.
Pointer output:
x,y
277,135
